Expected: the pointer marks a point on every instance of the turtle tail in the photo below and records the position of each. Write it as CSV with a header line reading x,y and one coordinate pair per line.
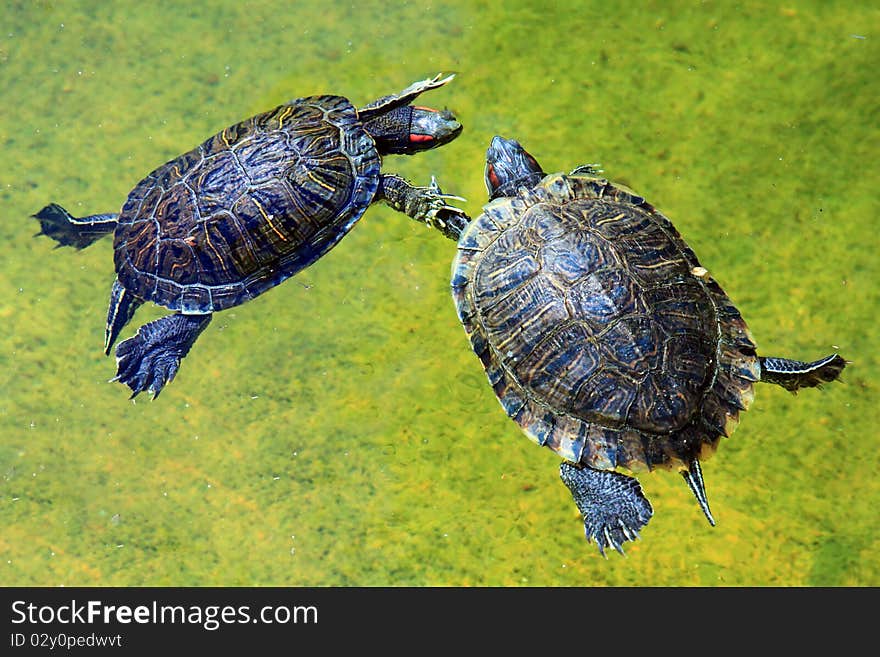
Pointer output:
x,y
694,478
123,305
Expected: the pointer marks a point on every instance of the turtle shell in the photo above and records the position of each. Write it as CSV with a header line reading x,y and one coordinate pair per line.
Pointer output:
x,y
248,208
601,334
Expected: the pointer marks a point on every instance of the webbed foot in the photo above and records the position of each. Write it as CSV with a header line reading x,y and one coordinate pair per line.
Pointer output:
x,y
67,230
150,359
795,374
613,506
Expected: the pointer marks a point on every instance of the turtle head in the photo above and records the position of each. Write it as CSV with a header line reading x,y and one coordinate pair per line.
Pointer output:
x,y
410,129
398,127
509,166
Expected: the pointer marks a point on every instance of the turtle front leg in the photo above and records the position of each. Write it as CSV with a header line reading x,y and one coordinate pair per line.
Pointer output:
x,y
424,204
613,506
67,230
794,374
151,358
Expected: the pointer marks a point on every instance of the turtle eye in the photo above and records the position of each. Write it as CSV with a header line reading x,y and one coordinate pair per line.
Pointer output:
x,y
532,161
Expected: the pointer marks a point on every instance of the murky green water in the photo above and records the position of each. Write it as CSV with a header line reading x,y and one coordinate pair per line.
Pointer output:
x,y
338,430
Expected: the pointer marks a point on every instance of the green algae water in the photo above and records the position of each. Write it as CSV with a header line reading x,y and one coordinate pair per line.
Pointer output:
x,y
338,430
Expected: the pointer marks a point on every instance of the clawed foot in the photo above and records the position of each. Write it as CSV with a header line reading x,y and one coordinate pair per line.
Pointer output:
x,y
448,219
588,170
142,372
607,535
428,205
55,223
613,506
150,359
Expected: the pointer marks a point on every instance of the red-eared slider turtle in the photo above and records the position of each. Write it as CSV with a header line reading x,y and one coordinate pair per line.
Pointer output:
x,y
603,337
249,208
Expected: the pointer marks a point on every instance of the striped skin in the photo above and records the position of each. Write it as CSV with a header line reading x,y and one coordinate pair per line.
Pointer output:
x,y
248,208
600,333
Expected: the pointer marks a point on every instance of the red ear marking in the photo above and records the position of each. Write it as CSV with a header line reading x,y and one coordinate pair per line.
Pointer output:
x,y
426,109
493,178
416,139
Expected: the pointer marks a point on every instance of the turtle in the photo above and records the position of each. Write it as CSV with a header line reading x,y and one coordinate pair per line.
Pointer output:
x,y
604,338
247,209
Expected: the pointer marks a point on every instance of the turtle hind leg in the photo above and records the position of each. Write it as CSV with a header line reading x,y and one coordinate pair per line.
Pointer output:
x,y
795,374
613,506
67,230
150,359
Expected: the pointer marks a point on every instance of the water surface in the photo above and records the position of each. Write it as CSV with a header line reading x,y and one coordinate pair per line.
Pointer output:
x,y
338,430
